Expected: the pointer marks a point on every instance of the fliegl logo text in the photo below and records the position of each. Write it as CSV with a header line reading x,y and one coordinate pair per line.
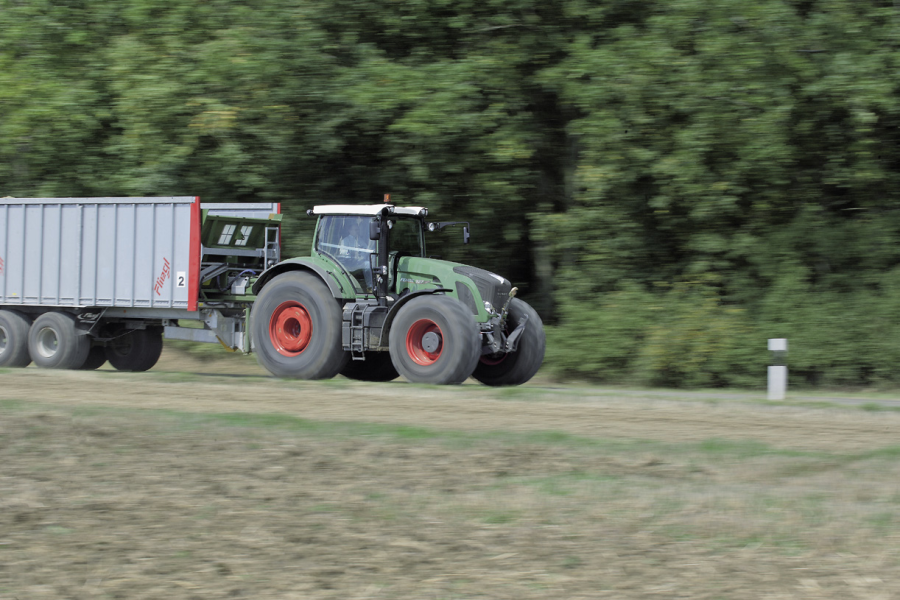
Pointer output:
x,y
161,280
1,265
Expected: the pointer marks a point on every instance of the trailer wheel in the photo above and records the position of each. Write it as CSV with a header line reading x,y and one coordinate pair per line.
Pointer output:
x,y
95,359
54,343
296,328
516,367
376,367
136,351
434,339
14,339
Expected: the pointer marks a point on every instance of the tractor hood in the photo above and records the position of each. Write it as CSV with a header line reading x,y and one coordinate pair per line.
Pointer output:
x,y
472,286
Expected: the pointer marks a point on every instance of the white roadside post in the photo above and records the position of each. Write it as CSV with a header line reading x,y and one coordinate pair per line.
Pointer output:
x,y
778,370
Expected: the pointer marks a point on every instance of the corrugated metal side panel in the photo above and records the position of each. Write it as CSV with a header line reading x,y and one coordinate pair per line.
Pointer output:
x,y
14,257
105,283
89,256
32,244
145,223
4,236
70,255
122,252
125,255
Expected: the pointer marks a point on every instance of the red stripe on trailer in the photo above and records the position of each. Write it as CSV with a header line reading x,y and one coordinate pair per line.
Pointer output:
x,y
194,265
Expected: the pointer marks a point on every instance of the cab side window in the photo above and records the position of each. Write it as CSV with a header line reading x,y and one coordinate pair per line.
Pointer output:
x,y
406,236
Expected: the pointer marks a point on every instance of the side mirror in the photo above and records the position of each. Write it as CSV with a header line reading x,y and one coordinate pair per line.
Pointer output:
x,y
374,230
466,234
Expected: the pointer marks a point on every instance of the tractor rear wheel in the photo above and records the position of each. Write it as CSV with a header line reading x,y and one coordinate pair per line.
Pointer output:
x,y
376,367
136,351
14,339
296,328
54,343
515,368
434,339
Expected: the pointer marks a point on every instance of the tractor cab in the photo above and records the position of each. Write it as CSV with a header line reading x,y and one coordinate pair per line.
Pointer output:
x,y
367,242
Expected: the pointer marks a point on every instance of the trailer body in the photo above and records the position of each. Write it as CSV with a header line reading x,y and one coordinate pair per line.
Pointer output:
x,y
114,266
100,252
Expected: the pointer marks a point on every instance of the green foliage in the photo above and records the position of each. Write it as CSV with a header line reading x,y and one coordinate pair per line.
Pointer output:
x,y
610,338
699,342
681,336
605,153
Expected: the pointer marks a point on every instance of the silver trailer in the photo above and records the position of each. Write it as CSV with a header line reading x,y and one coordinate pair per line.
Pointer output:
x,y
85,280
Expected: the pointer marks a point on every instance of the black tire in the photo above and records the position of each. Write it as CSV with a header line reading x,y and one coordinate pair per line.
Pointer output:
x,y
54,343
296,328
95,359
434,339
14,339
136,351
516,367
376,367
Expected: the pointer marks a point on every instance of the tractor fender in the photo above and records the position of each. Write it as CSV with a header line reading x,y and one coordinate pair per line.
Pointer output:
x,y
298,265
397,305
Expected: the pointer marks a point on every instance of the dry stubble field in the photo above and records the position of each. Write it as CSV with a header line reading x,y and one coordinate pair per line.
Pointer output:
x,y
201,480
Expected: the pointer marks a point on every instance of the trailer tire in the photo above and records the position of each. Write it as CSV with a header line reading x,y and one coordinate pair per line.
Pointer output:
x,y
520,366
296,328
136,351
434,339
377,367
14,339
54,343
95,359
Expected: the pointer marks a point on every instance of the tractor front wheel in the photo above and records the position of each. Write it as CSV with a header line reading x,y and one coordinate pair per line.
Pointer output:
x,y
296,328
515,368
434,339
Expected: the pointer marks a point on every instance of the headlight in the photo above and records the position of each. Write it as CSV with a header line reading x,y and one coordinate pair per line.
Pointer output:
x,y
488,307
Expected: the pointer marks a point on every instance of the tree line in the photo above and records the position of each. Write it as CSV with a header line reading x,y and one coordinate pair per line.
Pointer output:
x,y
668,183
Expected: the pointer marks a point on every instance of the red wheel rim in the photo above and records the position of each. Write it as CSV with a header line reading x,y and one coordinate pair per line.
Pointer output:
x,y
290,328
415,346
492,359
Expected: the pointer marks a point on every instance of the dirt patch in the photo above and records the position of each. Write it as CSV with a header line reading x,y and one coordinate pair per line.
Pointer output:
x,y
249,487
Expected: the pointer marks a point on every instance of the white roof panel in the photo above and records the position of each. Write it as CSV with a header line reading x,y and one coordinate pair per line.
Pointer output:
x,y
364,209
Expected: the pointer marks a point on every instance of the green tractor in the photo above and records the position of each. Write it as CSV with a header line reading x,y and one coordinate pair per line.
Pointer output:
x,y
369,304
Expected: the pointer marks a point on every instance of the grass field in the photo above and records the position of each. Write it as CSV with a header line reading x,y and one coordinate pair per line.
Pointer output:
x,y
207,485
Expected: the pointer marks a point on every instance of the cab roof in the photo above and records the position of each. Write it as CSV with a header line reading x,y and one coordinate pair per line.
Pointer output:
x,y
367,209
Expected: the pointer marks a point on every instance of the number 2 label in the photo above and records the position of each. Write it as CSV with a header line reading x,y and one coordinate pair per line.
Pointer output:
x,y
180,279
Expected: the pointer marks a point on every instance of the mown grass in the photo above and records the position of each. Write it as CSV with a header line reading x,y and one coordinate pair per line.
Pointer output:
x,y
547,501
711,447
